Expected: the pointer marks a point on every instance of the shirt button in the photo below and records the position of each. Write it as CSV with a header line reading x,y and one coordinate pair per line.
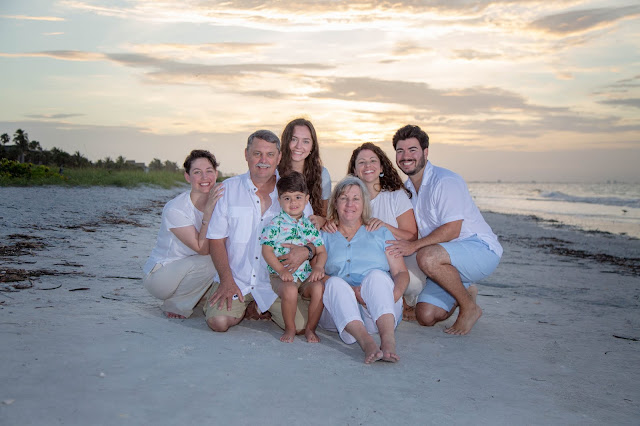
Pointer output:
x,y
348,260
348,275
348,245
256,257
258,201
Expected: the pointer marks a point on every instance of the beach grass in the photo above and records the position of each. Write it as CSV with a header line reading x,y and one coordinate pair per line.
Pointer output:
x,y
94,177
123,178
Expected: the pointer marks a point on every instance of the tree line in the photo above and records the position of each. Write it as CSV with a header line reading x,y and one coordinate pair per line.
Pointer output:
x,y
24,150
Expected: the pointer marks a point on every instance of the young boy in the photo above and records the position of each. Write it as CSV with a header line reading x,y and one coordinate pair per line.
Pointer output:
x,y
291,226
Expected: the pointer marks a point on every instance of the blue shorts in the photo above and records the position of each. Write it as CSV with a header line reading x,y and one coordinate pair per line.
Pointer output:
x,y
474,261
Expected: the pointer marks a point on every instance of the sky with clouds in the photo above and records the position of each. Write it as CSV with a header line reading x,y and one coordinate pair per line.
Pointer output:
x,y
511,90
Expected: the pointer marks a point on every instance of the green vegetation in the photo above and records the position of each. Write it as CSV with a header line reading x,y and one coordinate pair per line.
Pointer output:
x,y
25,163
13,173
124,178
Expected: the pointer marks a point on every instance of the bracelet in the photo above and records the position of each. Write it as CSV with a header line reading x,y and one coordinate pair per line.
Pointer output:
x,y
310,252
205,222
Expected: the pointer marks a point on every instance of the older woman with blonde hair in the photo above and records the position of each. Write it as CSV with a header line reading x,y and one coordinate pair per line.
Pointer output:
x,y
363,294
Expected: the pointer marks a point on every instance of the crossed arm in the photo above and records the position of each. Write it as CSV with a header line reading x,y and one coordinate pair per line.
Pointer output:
x,y
189,236
447,232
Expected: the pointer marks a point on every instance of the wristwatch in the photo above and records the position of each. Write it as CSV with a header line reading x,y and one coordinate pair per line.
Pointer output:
x,y
310,252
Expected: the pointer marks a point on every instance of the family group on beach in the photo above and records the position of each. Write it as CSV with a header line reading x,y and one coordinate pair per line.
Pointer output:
x,y
277,239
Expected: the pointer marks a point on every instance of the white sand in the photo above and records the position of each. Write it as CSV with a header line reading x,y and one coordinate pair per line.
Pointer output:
x,y
544,351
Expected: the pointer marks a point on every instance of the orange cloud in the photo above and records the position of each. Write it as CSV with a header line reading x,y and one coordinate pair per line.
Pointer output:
x,y
32,18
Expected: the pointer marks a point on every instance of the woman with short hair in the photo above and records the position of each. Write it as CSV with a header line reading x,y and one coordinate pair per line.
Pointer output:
x,y
180,270
363,294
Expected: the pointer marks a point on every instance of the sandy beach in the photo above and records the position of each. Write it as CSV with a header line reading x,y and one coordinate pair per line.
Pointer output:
x,y
84,343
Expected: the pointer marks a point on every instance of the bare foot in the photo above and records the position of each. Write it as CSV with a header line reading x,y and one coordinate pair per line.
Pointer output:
x,y
389,352
287,336
311,336
465,321
473,292
372,353
252,313
172,315
408,312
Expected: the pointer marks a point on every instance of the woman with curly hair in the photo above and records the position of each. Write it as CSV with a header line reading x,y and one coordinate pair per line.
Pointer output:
x,y
301,153
390,204
390,207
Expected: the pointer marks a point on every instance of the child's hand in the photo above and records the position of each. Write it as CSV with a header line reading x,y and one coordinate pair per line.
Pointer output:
x,y
286,276
317,273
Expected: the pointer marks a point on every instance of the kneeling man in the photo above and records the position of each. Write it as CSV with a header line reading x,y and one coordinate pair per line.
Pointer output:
x,y
249,203
456,246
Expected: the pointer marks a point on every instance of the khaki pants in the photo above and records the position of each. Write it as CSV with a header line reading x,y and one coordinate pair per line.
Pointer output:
x,y
181,284
238,309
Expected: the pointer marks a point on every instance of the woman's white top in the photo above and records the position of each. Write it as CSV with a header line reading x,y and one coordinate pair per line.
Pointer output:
x,y
326,184
177,213
388,205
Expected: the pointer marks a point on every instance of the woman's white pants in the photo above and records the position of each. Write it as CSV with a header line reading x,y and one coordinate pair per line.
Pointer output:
x,y
341,306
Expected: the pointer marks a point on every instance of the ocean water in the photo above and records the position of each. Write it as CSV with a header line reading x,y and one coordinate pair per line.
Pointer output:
x,y
608,207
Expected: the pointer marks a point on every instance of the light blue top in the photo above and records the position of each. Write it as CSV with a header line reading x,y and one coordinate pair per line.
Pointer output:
x,y
352,260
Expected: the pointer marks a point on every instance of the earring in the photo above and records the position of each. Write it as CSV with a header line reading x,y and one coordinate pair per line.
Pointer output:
x,y
382,174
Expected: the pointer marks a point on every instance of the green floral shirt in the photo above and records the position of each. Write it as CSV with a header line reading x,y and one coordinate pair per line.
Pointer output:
x,y
284,229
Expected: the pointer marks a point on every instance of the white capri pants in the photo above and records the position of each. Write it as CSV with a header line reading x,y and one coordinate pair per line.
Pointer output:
x,y
341,306
181,283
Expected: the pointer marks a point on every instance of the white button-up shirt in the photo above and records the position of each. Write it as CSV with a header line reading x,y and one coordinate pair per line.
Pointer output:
x,y
238,218
443,198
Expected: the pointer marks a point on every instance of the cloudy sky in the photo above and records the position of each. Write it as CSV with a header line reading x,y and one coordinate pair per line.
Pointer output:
x,y
512,90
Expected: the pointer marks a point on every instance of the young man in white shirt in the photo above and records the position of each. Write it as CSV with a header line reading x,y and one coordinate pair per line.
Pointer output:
x,y
249,203
456,246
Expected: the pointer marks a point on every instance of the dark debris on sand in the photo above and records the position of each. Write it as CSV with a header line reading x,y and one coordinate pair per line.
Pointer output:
x,y
8,275
557,246
107,219
25,245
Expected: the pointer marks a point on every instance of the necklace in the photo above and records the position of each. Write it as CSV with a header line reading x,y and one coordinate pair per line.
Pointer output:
x,y
348,235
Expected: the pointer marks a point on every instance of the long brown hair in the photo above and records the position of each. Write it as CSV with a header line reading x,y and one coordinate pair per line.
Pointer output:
x,y
312,170
390,179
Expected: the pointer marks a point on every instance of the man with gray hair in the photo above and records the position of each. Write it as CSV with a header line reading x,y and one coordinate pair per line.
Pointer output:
x,y
248,204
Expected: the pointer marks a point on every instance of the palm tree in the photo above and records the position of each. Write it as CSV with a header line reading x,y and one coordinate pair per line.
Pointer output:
x,y
4,139
35,146
35,152
80,160
21,139
120,162
60,157
155,164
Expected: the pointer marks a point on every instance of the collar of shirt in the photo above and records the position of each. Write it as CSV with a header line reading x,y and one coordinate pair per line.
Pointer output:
x,y
286,218
426,175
